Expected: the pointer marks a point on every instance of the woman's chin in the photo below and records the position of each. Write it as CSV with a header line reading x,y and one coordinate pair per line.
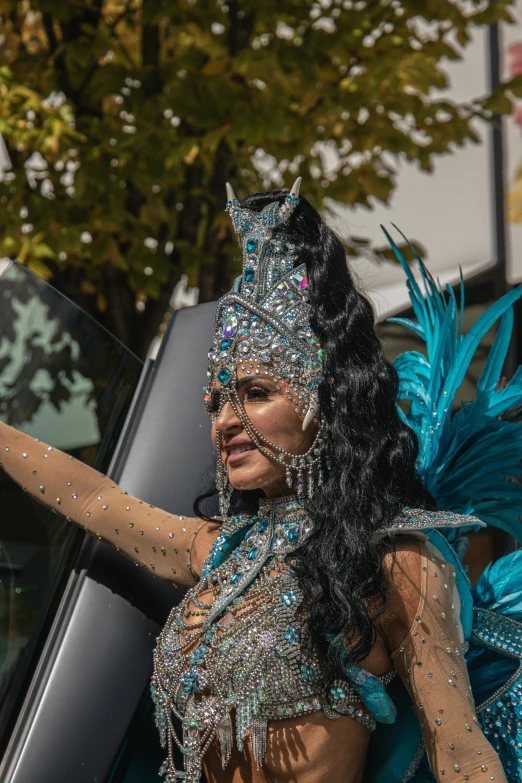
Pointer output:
x,y
245,478
247,481
253,470
242,482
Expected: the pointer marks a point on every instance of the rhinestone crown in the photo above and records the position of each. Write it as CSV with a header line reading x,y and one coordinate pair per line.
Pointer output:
x,y
265,319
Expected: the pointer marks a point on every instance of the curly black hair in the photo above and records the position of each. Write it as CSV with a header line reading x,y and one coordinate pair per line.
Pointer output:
x,y
369,453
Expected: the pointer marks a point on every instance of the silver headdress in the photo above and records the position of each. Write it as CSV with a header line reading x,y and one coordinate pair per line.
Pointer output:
x,y
263,324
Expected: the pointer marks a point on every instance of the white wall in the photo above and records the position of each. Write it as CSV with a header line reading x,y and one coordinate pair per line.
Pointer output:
x,y
449,212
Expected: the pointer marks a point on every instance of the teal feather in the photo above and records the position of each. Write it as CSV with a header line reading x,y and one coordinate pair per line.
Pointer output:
x,y
497,355
469,461
466,459
499,589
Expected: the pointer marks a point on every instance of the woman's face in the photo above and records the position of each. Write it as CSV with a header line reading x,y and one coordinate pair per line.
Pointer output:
x,y
266,403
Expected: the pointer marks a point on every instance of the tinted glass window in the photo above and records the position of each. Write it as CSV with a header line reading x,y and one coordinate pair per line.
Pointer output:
x,y
67,381
141,754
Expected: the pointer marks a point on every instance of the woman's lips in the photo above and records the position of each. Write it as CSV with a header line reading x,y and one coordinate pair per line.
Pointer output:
x,y
239,453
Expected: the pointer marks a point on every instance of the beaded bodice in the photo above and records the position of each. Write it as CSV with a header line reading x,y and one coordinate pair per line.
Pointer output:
x,y
235,653
237,645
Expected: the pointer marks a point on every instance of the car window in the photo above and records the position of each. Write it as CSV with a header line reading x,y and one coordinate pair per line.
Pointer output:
x,y
67,381
141,754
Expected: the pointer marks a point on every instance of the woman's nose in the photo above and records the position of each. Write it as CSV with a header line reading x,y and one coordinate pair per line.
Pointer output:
x,y
227,420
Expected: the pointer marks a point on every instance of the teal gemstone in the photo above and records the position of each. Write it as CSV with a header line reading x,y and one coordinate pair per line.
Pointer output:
x,y
263,525
288,598
198,654
307,673
293,534
252,554
291,635
249,274
236,578
189,683
224,375
224,345
251,245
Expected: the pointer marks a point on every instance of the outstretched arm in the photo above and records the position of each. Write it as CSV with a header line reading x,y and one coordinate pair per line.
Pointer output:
x,y
172,547
421,630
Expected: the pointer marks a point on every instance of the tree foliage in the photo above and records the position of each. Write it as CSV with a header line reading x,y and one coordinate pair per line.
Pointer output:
x,y
124,118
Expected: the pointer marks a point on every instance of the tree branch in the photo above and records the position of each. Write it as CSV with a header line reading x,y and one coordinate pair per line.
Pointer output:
x,y
49,31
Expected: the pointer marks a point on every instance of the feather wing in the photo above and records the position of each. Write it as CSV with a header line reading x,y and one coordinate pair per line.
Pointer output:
x,y
469,460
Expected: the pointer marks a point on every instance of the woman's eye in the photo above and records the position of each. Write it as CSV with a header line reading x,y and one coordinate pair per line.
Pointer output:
x,y
257,393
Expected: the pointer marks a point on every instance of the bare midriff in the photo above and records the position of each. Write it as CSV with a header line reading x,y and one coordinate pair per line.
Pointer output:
x,y
311,749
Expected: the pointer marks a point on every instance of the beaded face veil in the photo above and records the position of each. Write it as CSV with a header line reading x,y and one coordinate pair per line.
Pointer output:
x,y
263,327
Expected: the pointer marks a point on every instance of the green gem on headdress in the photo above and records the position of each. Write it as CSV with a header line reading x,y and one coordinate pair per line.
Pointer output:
x,y
224,375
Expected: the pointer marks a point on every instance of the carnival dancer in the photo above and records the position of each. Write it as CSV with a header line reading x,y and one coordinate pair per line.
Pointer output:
x,y
335,562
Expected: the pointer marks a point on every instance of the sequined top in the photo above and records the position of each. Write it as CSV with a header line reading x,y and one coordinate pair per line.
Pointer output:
x,y
236,650
420,632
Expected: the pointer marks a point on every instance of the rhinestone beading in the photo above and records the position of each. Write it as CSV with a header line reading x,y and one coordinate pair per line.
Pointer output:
x,y
246,651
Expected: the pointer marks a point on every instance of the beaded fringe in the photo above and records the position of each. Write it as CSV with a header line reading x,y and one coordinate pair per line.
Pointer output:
x,y
258,733
225,734
245,712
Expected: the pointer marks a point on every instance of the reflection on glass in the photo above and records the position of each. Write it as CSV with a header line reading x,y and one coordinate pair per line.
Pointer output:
x,y
67,381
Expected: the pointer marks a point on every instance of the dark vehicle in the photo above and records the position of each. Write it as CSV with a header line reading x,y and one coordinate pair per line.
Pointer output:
x,y
78,621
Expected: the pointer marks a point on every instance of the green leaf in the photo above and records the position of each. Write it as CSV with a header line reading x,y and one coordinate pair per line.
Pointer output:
x,y
499,103
515,86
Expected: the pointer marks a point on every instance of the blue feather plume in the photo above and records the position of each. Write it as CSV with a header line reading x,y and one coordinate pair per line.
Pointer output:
x,y
499,588
468,460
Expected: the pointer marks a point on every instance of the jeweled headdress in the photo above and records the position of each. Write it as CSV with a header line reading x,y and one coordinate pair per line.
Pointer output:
x,y
264,323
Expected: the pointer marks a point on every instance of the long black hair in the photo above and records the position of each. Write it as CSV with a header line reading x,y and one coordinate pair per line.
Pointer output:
x,y
369,453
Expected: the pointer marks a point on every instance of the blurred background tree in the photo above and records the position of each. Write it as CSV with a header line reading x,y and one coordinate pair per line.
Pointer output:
x,y
123,119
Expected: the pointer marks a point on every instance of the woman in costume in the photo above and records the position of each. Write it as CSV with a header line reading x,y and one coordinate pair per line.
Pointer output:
x,y
334,565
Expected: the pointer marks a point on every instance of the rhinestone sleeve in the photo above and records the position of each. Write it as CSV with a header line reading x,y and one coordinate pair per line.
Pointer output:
x,y
154,539
431,663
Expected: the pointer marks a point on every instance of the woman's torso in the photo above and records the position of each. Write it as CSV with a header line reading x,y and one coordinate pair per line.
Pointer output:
x,y
308,732
305,750
309,749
